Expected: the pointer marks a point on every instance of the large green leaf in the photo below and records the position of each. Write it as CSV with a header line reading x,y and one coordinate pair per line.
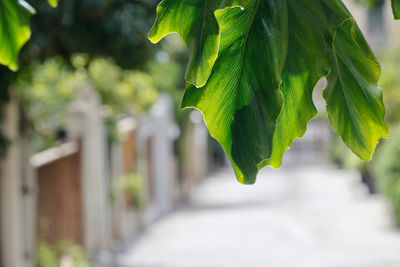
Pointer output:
x,y
274,48
311,29
194,21
241,100
14,30
354,101
301,73
396,8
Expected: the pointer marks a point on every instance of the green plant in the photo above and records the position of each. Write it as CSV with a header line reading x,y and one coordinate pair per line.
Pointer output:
x,y
45,91
386,153
396,8
114,29
254,64
385,165
132,185
52,255
122,90
14,30
372,3
386,169
390,82
369,3
253,68
46,256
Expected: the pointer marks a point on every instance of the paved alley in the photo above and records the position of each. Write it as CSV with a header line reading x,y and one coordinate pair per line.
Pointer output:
x,y
295,217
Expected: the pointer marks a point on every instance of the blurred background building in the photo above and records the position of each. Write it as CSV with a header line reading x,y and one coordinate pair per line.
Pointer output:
x,y
96,151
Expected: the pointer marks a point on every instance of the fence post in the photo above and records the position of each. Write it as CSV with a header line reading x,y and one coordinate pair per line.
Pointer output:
x,y
200,139
156,134
125,220
86,123
12,253
29,194
117,210
164,135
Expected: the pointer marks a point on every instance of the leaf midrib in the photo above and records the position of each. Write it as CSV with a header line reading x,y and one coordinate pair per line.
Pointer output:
x,y
244,51
353,120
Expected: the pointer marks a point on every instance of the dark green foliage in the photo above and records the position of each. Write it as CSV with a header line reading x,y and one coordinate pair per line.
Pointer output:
x,y
114,28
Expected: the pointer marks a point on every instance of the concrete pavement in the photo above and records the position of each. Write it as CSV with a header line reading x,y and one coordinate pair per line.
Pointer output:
x,y
295,217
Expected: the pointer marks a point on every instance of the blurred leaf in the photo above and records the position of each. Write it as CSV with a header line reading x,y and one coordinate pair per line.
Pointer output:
x,y
46,90
14,30
53,3
386,169
390,82
396,8
46,256
372,4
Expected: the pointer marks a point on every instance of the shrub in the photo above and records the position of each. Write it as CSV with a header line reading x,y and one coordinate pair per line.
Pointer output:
x,y
386,169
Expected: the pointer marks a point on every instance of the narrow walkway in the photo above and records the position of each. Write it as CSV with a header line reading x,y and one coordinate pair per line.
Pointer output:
x,y
298,217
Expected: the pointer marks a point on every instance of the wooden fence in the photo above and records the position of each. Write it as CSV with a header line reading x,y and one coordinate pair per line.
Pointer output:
x,y
64,193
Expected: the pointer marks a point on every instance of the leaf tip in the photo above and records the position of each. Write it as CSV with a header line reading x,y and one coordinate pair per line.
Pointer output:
x,y
153,37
